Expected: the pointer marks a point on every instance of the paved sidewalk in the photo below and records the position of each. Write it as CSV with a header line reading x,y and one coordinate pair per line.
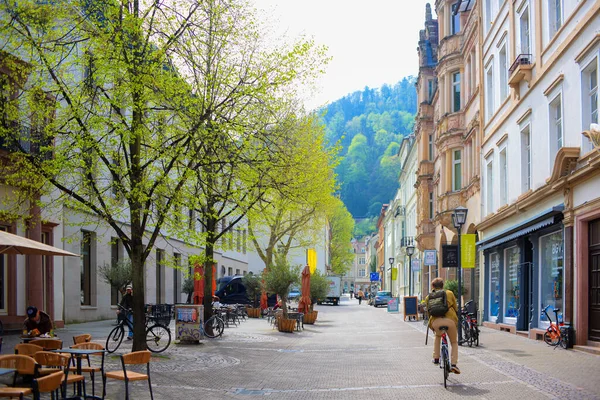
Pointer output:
x,y
352,352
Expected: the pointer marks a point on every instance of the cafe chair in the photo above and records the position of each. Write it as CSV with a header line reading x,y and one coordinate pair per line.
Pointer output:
x,y
85,338
48,344
14,392
90,369
50,362
135,358
48,384
23,365
27,349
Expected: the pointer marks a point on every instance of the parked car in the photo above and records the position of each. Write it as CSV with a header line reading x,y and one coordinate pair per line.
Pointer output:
x,y
382,298
294,294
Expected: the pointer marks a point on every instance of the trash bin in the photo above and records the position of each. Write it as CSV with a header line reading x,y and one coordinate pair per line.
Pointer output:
x,y
189,321
567,332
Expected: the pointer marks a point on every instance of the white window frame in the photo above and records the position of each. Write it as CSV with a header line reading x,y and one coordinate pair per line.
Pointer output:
x,y
587,95
503,170
489,92
489,184
456,88
454,19
544,324
555,126
503,61
526,156
525,35
555,17
456,162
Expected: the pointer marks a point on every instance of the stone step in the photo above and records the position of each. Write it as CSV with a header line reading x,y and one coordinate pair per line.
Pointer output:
x,y
523,333
591,343
588,349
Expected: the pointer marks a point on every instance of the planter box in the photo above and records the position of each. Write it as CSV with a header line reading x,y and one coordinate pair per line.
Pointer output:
x,y
286,325
310,317
253,312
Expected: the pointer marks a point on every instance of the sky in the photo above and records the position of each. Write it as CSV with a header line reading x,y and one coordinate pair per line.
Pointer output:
x,y
371,42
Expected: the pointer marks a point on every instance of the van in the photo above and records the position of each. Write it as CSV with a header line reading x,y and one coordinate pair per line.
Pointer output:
x,y
231,290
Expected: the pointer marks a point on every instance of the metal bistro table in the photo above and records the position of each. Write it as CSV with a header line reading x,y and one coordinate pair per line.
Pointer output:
x,y
78,354
5,371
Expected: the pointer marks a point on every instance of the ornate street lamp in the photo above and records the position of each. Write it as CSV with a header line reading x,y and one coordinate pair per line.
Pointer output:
x,y
410,250
459,217
391,260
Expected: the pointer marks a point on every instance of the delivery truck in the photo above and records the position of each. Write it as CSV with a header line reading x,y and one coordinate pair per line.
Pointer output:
x,y
335,291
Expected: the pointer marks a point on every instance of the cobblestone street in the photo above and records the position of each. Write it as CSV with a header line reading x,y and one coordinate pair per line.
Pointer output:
x,y
353,352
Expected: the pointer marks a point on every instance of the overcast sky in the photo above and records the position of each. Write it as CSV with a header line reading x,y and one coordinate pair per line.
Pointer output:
x,y
371,42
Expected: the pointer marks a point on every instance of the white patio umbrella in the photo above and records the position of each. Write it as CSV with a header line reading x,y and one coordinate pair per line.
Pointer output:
x,y
14,244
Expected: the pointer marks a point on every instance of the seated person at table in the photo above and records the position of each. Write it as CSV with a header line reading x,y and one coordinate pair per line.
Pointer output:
x,y
37,322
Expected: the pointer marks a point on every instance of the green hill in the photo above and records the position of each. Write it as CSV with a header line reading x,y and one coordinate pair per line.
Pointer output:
x,y
370,125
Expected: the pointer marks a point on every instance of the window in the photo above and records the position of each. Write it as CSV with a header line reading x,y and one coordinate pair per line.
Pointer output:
x,y
494,285
489,175
230,271
503,73
524,31
455,19
556,127
551,273
488,14
222,271
589,90
87,263
237,271
456,92
554,16
503,178
429,90
489,93
160,276
456,170
430,205
114,260
430,145
362,273
176,278
526,158
362,250
512,303
361,260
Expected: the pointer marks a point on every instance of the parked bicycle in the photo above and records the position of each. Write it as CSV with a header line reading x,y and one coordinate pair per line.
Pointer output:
x,y
468,320
553,335
158,336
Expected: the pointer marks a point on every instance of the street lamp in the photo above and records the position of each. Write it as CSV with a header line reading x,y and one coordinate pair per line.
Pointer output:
x,y
410,250
391,260
459,217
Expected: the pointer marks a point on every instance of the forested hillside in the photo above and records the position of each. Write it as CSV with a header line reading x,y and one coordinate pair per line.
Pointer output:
x,y
369,126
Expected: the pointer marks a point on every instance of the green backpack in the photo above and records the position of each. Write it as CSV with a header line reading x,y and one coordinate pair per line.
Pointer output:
x,y
437,305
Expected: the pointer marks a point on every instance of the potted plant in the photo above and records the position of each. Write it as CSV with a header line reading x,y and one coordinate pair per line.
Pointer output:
x,y
278,279
452,285
318,290
253,290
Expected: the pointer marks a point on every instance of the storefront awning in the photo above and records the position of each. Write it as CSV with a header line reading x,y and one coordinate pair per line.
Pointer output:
x,y
540,221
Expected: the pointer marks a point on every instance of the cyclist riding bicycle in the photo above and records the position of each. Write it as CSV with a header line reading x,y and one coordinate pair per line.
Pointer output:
x,y
127,303
442,309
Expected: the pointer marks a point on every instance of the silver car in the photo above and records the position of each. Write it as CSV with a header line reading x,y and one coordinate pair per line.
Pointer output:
x,y
382,298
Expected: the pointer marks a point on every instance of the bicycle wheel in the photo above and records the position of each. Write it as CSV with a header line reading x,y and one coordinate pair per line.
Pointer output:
x,y
213,327
551,338
564,340
466,333
446,365
475,335
115,338
158,338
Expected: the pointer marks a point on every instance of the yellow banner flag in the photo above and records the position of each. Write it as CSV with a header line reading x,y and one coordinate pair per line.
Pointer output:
x,y
394,274
311,260
467,251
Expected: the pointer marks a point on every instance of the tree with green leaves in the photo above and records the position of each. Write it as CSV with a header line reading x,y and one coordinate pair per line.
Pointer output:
x,y
341,226
319,287
117,275
128,110
279,278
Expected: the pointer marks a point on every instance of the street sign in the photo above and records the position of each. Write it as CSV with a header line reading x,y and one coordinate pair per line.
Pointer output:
x,y
449,256
374,276
416,265
429,257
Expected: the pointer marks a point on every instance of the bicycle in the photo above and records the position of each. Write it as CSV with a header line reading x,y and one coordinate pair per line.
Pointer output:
x,y
553,335
158,336
469,326
445,355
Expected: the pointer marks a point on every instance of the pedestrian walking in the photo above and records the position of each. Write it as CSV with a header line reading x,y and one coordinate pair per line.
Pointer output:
x,y
351,293
360,296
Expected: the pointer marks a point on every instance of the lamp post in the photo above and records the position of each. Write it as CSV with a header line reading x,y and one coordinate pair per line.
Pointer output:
x,y
459,217
410,250
391,260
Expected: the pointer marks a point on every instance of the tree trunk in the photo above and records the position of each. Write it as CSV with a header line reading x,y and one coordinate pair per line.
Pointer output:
x,y
139,290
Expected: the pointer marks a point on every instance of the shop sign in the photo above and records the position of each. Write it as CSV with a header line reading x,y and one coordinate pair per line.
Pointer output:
x,y
449,256
416,265
429,257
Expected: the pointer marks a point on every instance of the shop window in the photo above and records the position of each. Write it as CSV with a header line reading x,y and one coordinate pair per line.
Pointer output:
x,y
551,272
494,285
512,298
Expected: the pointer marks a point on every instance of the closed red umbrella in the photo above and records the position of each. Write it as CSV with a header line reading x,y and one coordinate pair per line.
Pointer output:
x,y
263,301
304,303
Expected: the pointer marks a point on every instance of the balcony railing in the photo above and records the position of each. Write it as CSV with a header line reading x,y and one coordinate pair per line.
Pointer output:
x,y
407,241
522,59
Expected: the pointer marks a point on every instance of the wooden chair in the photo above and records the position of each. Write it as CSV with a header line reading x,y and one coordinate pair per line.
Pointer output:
x,y
48,384
135,358
27,349
90,369
48,344
85,338
23,365
13,392
50,362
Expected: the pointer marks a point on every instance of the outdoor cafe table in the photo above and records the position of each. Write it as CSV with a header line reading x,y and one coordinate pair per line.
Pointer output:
x,y
78,354
4,371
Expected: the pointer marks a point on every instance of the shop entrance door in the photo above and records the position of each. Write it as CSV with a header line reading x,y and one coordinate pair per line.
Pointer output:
x,y
594,281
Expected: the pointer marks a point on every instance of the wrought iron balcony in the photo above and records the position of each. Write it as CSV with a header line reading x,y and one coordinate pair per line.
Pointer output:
x,y
407,241
520,70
